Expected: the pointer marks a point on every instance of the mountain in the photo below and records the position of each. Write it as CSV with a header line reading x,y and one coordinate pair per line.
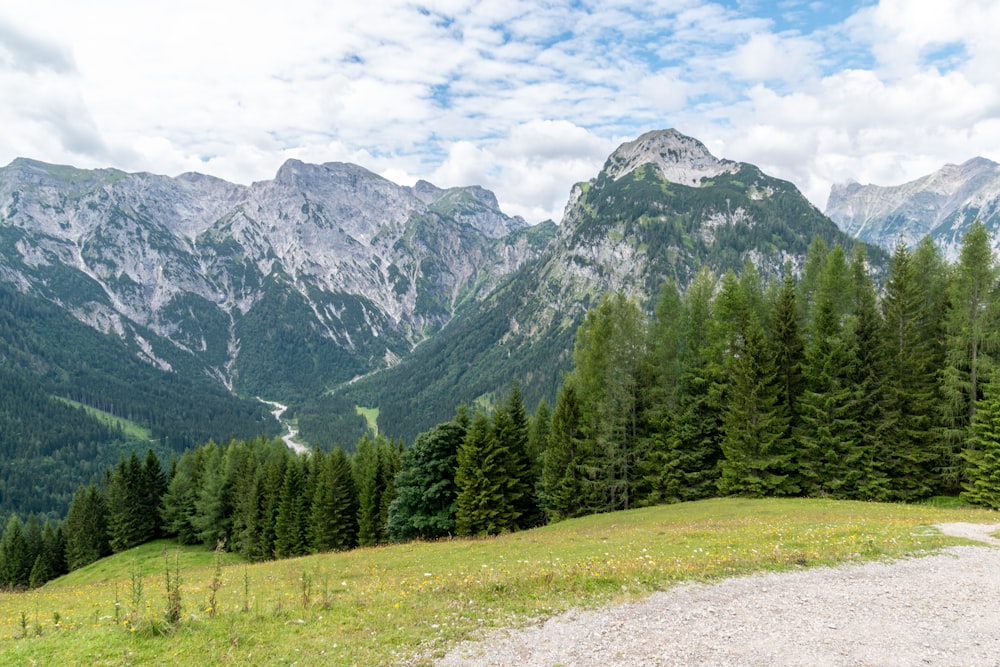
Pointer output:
x,y
942,205
139,310
160,308
661,208
281,288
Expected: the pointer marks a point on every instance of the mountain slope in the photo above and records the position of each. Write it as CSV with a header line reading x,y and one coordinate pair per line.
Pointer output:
x,y
661,207
942,205
281,288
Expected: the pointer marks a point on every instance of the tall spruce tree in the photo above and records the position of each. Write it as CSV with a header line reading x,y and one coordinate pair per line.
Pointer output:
x,y
789,350
565,488
15,555
376,464
607,362
292,521
334,514
827,407
692,437
972,339
86,528
483,504
910,387
982,481
757,454
866,475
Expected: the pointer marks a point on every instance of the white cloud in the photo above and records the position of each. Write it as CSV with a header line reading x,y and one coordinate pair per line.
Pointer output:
x,y
522,97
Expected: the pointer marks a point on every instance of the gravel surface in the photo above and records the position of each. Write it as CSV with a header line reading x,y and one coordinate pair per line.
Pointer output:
x,y
936,610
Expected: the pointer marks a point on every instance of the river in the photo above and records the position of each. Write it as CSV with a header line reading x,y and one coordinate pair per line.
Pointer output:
x,y
289,437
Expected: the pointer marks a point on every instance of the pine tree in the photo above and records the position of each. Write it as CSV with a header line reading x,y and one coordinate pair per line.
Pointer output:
x,y
827,407
154,487
692,436
757,454
971,340
483,505
910,387
376,464
866,478
607,362
564,485
510,425
128,512
291,522
982,484
85,528
15,555
539,431
789,351
333,524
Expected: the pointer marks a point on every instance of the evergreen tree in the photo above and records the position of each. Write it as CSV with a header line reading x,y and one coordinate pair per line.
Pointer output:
x,y
982,484
182,492
15,556
539,431
972,339
828,408
333,522
128,521
607,362
789,350
376,464
85,528
425,486
910,386
50,562
510,425
866,478
291,522
483,505
689,463
757,454
564,485
154,487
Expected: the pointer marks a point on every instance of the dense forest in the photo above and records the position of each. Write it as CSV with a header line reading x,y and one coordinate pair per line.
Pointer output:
x,y
52,366
816,385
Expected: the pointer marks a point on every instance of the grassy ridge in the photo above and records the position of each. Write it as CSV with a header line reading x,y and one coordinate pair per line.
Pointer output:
x,y
387,605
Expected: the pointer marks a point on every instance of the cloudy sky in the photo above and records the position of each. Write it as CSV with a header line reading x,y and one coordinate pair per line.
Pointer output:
x,y
525,98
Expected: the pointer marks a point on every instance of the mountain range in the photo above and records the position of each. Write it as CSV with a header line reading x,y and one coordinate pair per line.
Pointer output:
x,y
941,205
336,291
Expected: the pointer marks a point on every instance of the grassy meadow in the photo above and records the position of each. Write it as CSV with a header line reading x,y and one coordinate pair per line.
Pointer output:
x,y
407,603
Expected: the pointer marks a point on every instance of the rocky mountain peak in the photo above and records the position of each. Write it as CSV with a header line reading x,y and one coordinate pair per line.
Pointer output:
x,y
679,158
941,204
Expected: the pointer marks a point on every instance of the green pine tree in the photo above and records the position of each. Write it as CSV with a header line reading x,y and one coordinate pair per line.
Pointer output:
x,y
982,484
334,513
483,505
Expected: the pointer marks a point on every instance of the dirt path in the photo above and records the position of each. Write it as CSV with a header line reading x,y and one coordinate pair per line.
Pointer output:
x,y
937,610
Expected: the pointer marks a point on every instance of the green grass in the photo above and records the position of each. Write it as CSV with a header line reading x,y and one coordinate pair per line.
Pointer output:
x,y
391,604
131,430
371,417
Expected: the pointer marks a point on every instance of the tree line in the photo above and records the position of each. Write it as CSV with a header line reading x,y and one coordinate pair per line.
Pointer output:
x,y
812,384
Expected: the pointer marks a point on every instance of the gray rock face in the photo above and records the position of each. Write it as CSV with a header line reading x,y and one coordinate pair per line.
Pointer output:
x,y
372,260
942,205
678,158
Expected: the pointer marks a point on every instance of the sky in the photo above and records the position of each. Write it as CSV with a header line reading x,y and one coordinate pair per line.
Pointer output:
x,y
524,98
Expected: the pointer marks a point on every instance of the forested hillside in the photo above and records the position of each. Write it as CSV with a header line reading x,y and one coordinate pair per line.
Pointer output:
x,y
53,364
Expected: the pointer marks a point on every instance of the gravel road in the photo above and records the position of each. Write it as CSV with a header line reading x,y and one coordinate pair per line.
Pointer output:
x,y
942,609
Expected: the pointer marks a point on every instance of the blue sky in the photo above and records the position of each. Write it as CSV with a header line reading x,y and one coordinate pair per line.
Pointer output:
x,y
524,98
